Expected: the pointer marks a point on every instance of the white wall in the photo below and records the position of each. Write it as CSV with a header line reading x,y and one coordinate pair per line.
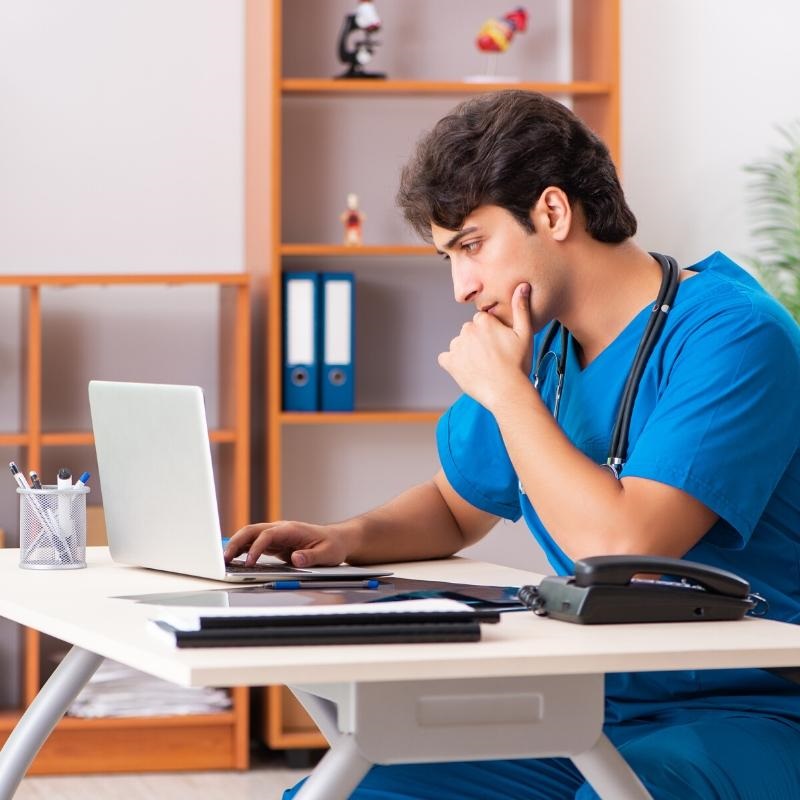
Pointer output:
x,y
121,150
122,136
704,82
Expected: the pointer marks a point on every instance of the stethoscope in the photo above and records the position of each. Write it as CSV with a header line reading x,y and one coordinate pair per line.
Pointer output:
x,y
619,438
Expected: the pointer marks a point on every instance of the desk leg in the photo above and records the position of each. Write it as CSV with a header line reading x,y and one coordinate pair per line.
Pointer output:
x,y
609,773
42,715
338,774
343,766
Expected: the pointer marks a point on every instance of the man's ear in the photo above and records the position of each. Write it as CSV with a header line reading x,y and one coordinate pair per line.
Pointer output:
x,y
552,213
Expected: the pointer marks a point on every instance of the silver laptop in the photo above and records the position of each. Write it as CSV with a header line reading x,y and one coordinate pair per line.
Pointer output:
x,y
157,480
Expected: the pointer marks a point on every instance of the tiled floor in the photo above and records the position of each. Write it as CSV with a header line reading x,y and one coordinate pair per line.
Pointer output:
x,y
266,780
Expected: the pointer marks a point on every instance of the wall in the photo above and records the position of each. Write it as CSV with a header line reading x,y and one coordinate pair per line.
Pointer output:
x,y
121,150
704,84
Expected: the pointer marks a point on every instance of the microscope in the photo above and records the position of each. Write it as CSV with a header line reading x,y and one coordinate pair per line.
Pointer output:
x,y
363,23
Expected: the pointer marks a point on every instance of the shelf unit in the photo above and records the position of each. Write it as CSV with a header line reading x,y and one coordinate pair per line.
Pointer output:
x,y
593,92
207,741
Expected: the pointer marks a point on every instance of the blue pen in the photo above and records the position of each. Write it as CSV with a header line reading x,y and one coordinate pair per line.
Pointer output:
x,y
82,481
372,583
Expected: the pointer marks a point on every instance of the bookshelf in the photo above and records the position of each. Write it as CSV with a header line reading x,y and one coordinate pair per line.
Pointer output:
x,y
333,134
207,741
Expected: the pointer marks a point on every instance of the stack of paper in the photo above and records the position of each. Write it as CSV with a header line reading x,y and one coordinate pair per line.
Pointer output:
x,y
119,691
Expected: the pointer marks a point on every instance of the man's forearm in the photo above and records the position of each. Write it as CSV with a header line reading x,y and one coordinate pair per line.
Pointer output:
x,y
416,525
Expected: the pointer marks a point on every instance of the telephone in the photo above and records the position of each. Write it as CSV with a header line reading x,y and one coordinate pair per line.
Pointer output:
x,y
604,589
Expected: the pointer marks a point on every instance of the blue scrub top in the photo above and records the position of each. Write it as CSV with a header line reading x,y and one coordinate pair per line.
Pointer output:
x,y
718,416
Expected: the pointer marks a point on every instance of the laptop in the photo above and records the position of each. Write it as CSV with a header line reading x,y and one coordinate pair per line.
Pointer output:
x,y
159,496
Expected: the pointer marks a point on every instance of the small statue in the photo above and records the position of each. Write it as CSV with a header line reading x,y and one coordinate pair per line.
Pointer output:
x,y
495,36
352,219
365,20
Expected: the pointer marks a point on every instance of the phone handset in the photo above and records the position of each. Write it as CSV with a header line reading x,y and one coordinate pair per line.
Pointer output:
x,y
618,570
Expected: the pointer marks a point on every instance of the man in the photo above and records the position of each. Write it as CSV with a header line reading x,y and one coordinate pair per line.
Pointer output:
x,y
525,203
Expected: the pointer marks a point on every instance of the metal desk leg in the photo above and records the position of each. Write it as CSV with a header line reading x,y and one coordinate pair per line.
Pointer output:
x,y
609,773
338,774
41,716
343,766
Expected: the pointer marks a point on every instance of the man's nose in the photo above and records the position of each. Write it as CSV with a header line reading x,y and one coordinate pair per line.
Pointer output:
x,y
465,281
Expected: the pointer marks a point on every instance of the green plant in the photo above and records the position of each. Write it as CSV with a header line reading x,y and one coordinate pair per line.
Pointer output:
x,y
775,200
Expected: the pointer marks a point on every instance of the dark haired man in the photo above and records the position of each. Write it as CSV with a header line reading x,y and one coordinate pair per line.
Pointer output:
x,y
525,203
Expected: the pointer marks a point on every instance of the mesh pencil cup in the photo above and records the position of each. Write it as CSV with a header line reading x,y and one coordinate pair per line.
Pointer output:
x,y
52,527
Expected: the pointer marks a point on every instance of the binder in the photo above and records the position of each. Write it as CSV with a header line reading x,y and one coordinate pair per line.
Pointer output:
x,y
337,379
300,341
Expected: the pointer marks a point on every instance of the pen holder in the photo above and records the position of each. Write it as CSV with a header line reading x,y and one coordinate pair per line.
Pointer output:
x,y
52,528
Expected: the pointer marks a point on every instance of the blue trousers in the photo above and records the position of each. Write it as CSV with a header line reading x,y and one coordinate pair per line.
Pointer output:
x,y
713,755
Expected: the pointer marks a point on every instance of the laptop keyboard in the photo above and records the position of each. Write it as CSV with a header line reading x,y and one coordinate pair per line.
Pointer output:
x,y
237,569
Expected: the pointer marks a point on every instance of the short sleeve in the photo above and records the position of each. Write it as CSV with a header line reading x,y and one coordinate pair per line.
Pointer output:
x,y
727,422
474,459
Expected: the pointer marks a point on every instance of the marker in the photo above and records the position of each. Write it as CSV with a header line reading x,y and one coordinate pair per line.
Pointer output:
x,y
372,583
64,479
64,503
35,482
82,481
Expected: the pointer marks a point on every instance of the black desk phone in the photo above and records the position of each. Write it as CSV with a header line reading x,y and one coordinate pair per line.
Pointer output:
x,y
604,589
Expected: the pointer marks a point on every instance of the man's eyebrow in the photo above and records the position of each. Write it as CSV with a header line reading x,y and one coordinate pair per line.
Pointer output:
x,y
455,239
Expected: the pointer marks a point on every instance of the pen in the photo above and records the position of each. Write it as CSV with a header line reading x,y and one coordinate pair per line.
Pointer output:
x,y
372,583
18,476
35,482
45,520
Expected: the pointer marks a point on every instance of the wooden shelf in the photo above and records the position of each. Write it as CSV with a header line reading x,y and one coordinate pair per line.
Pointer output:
x,y
13,439
81,438
357,417
171,721
589,52
135,744
8,719
124,744
102,279
291,86
366,250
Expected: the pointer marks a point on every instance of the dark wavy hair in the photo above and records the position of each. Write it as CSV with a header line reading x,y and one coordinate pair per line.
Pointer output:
x,y
505,148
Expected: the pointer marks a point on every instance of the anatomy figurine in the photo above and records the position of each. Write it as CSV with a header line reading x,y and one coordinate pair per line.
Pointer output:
x,y
352,220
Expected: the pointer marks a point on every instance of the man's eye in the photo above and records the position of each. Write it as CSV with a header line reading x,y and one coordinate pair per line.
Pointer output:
x,y
444,256
471,247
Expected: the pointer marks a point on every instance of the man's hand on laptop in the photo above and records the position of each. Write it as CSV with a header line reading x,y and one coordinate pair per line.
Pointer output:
x,y
297,543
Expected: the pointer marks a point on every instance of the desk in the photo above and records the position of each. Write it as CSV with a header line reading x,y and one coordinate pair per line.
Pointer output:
x,y
533,687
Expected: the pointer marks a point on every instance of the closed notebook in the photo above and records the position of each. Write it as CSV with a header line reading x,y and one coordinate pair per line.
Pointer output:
x,y
409,621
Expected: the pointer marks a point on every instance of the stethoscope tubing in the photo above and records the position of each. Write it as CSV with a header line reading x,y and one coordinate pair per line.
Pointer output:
x,y
655,324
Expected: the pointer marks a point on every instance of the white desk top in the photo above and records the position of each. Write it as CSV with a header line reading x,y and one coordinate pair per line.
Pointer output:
x,y
78,607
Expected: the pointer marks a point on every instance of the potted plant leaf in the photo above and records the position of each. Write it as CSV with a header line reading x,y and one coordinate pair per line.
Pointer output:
x,y
775,201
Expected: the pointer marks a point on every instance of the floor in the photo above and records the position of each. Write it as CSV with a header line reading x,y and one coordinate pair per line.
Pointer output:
x,y
266,780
